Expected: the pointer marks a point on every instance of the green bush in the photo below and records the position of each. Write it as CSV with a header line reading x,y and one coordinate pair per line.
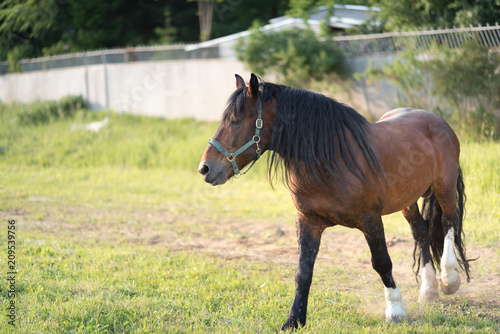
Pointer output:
x,y
296,56
69,104
41,112
462,85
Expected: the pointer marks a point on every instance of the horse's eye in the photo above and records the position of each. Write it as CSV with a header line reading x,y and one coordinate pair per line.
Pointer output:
x,y
235,121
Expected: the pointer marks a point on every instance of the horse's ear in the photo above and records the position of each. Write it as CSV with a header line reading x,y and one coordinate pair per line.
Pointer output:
x,y
240,83
253,87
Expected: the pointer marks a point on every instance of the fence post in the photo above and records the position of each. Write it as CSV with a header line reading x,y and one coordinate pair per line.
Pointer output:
x,y
86,78
106,92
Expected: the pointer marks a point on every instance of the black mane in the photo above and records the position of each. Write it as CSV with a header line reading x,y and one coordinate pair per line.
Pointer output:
x,y
309,136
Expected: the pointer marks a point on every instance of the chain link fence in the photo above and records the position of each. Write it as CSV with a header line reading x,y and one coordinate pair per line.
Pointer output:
x,y
390,43
353,46
113,56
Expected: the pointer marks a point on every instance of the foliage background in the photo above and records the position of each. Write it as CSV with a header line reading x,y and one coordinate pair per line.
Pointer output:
x,y
462,85
32,28
296,56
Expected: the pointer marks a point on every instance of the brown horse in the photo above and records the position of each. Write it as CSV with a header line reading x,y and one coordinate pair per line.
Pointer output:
x,y
343,170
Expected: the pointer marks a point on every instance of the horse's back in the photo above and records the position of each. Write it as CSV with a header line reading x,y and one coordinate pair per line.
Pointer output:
x,y
420,123
404,115
396,112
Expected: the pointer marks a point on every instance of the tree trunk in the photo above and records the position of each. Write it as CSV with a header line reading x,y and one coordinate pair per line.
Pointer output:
x,y
205,12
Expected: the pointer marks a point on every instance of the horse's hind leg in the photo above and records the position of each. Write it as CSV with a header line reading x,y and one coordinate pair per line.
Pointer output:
x,y
450,269
445,192
420,231
381,262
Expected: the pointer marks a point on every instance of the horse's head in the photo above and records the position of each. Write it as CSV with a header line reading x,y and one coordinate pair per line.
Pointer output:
x,y
242,136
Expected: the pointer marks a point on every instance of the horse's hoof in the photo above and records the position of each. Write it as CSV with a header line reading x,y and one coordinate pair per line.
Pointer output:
x,y
395,314
428,296
395,311
450,282
429,288
290,325
396,319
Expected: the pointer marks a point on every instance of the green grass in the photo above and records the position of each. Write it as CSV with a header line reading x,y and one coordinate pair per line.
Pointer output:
x,y
80,288
83,287
117,233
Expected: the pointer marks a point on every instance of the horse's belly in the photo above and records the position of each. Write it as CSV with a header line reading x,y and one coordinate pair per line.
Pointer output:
x,y
402,195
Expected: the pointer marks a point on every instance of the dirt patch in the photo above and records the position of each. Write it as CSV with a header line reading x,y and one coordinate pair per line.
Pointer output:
x,y
346,250
342,249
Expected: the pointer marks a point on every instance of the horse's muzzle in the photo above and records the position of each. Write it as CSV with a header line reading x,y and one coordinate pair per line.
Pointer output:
x,y
212,173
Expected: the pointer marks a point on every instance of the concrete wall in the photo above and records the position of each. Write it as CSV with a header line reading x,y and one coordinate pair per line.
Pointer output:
x,y
42,85
173,89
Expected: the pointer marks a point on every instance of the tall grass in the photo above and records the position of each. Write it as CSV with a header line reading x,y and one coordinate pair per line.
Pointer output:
x,y
126,141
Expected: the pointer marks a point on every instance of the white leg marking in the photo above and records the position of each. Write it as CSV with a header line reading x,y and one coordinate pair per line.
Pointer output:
x,y
450,270
395,311
428,289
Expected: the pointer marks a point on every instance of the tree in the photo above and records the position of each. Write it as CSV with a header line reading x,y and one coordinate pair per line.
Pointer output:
x,y
231,16
410,14
462,85
166,34
31,28
27,26
205,13
223,17
296,56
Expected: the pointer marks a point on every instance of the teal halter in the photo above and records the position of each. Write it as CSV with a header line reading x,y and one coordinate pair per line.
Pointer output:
x,y
231,157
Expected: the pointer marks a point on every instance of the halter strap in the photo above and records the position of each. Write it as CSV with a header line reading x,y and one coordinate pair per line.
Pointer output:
x,y
231,157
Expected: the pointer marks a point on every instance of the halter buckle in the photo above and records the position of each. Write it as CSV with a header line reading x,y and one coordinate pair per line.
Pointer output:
x,y
230,157
259,123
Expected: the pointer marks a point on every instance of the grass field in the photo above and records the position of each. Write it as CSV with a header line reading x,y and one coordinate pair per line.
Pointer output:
x,y
117,233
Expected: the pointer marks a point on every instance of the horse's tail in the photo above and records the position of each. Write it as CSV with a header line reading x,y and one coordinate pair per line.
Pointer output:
x,y
432,214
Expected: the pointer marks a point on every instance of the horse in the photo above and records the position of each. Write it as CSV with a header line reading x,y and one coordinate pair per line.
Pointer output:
x,y
343,170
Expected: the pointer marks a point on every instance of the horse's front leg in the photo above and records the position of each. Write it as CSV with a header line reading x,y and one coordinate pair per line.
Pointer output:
x,y
309,233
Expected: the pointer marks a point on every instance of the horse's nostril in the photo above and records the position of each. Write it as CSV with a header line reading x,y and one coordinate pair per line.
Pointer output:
x,y
204,170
